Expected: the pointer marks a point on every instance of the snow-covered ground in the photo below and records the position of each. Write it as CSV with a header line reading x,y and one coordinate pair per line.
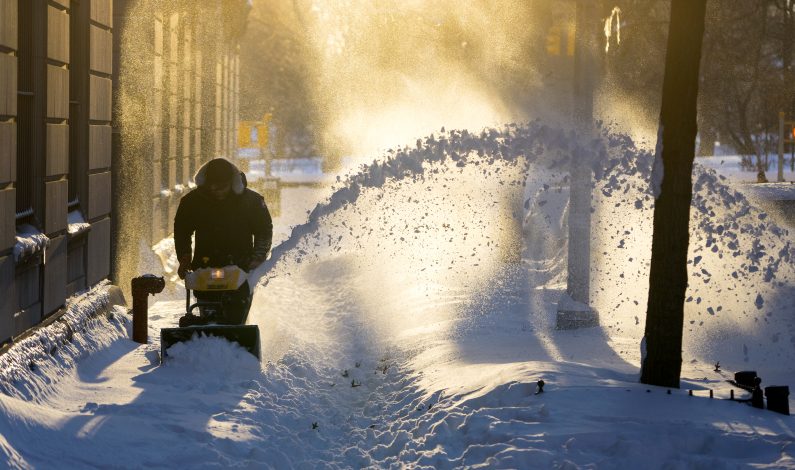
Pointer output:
x,y
730,167
406,323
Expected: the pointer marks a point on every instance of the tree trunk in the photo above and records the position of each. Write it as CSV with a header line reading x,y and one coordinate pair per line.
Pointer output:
x,y
662,362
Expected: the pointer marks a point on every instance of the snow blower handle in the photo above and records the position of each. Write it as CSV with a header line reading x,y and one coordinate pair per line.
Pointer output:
x,y
187,300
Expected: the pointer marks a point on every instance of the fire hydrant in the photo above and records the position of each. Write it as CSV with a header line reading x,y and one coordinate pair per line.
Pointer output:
x,y
142,287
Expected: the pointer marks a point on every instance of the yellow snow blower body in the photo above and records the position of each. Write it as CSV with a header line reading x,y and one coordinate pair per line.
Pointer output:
x,y
210,319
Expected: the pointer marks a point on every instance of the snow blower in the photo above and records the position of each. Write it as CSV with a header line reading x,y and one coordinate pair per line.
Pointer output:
x,y
212,318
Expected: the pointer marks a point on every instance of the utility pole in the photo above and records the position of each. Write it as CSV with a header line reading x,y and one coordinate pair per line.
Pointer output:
x,y
574,310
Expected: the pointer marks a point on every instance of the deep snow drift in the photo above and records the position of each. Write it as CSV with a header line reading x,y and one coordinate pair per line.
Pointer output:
x,y
407,322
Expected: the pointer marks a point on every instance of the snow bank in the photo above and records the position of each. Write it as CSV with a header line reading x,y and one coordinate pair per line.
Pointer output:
x,y
30,367
772,191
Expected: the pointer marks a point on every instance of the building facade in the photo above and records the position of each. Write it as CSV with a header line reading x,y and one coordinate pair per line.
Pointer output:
x,y
177,88
107,108
55,155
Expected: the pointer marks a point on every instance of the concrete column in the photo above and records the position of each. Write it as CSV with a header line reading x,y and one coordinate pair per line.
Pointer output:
x,y
574,310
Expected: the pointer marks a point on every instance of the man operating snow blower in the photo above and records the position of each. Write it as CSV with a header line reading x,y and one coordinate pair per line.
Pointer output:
x,y
233,232
232,228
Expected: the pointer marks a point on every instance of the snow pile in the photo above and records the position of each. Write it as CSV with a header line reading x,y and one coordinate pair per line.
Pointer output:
x,y
31,367
76,223
30,241
211,354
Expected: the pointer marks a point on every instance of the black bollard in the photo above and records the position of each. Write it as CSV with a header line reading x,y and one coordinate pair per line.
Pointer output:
x,y
778,398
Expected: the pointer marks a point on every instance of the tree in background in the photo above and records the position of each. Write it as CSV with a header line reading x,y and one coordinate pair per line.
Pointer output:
x,y
633,67
748,75
662,359
276,77
747,72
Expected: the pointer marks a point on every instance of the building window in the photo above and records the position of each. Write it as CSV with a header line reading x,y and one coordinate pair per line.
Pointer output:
x,y
25,176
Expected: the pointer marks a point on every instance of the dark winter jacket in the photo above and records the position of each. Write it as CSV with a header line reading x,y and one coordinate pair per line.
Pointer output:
x,y
235,230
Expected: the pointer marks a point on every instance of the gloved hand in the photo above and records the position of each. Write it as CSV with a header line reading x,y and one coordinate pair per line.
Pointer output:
x,y
184,266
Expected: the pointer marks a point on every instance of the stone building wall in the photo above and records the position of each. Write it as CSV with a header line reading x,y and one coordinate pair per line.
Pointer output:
x,y
55,160
177,86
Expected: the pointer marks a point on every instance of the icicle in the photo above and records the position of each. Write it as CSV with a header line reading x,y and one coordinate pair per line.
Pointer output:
x,y
616,13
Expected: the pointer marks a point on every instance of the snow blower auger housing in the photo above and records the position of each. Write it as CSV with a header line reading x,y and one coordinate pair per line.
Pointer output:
x,y
213,318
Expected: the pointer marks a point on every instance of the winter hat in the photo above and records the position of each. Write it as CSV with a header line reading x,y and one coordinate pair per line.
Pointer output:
x,y
219,171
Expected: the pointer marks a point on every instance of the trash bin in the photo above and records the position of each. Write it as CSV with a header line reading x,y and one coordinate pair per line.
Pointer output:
x,y
778,398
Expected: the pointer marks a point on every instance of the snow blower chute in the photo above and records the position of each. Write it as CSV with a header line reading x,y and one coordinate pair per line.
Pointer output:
x,y
213,318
